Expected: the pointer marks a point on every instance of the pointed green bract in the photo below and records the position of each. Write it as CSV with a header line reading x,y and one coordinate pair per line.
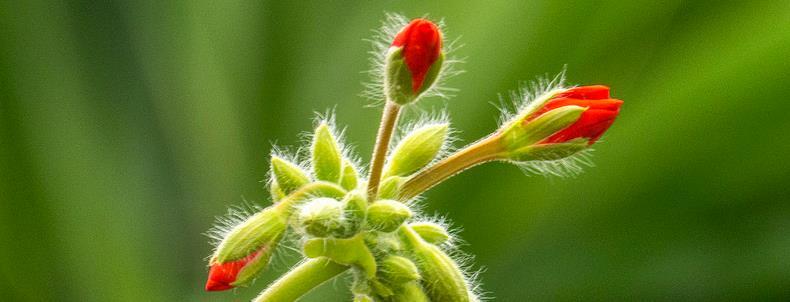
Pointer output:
x,y
288,175
327,157
430,232
417,149
350,178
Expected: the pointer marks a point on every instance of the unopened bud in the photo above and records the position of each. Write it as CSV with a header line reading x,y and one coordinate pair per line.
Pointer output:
x,y
350,178
246,250
321,216
430,232
327,158
288,175
275,191
413,61
390,187
398,270
387,215
354,207
417,149
442,277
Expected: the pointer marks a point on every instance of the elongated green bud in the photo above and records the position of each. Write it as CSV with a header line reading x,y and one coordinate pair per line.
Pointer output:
x,y
417,149
288,175
411,292
390,187
327,158
442,278
321,217
387,215
350,178
246,250
398,270
430,232
351,251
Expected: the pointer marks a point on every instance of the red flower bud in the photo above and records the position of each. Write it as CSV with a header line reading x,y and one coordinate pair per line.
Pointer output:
x,y
600,114
221,276
422,44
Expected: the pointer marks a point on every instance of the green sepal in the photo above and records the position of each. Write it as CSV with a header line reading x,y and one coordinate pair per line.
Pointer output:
x,y
398,270
289,176
254,267
441,276
387,215
390,187
433,73
552,151
520,134
327,157
262,230
350,178
430,232
351,251
417,149
398,78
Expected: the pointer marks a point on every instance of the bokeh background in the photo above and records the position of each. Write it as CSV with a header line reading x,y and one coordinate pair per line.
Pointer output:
x,y
127,126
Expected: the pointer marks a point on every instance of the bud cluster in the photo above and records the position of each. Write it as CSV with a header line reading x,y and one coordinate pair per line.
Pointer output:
x,y
371,226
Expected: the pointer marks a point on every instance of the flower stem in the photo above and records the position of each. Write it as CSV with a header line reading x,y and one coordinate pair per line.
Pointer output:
x,y
300,280
389,118
485,150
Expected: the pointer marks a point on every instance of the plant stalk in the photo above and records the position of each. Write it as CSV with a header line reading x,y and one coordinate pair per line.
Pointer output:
x,y
485,150
300,280
389,118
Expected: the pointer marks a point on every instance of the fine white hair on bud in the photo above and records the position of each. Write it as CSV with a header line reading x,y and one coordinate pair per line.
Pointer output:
x,y
381,42
235,215
425,119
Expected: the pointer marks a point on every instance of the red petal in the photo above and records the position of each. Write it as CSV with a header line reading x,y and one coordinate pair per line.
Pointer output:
x,y
222,275
592,92
422,45
591,125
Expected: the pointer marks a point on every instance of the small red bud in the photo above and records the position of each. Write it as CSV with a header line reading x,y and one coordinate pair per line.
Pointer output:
x,y
600,114
422,44
222,275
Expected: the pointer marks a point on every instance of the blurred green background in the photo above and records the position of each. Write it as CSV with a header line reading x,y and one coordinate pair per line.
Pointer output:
x,y
127,126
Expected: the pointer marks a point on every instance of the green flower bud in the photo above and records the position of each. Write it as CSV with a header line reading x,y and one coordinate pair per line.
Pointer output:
x,y
354,207
321,216
390,187
246,250
351,251
442,277
350,177
398,270
327,158
387,215
417,149
287,175
430,232
411,292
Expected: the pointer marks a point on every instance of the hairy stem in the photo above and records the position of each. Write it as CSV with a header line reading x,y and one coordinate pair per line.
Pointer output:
x,y
300,280
480,152
389,118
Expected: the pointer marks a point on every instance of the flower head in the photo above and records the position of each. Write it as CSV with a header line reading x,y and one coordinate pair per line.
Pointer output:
x,y
413,61
593,122
422,44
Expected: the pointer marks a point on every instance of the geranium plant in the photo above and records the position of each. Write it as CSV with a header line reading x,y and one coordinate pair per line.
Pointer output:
x,y
366,224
